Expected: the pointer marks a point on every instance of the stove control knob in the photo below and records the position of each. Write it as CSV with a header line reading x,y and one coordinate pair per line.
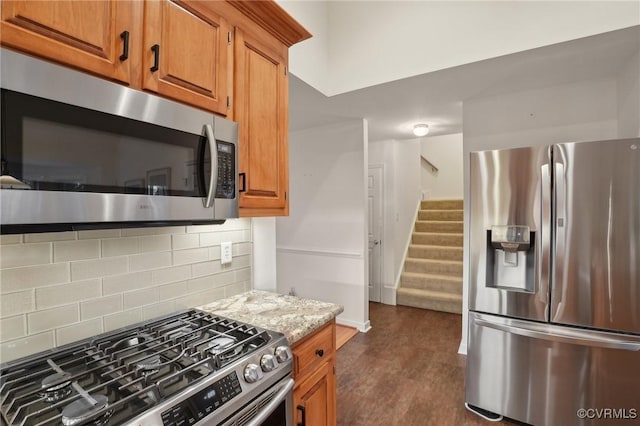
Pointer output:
x,y
268,363
283,353
252,373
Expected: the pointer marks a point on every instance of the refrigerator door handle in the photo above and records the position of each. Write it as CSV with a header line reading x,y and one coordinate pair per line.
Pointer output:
x,y
565,335
559,217
544,252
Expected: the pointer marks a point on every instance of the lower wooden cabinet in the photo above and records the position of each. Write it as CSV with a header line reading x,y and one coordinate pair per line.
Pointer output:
x,y
314,397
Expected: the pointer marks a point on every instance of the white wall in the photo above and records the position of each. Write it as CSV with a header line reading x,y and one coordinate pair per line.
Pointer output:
x,y
575,112
321,246
373,42
445,153
263,231
629,99
401,160
309,59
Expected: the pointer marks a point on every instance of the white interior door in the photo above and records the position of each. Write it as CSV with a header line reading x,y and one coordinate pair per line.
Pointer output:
x,y
375,221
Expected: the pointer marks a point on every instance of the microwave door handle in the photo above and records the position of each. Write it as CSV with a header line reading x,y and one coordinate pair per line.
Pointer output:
x,y
213,179
275,402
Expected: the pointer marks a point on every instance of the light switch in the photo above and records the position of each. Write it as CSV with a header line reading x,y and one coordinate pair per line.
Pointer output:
x,y
225,253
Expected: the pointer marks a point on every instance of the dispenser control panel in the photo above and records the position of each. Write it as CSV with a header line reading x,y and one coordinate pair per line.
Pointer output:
x,y
511,237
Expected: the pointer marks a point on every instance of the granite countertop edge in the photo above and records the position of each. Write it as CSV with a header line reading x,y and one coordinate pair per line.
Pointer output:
x,y
293,316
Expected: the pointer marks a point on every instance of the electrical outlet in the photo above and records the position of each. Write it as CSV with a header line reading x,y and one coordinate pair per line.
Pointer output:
x,y
225,253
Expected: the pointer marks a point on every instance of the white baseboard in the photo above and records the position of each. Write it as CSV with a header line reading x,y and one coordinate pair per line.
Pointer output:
x,y
462,350
361,326
389,295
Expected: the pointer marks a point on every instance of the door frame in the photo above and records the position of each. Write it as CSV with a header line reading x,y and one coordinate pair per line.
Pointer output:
x,y
381,230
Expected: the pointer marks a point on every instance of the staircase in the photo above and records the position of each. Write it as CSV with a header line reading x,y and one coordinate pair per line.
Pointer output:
x,y
432,277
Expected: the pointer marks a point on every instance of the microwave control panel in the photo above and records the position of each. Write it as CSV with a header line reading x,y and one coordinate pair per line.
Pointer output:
x,y
226,170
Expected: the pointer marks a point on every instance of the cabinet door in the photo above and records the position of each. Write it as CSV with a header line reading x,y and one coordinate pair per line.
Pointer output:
x,y
84,34
261,100
315,399
185,54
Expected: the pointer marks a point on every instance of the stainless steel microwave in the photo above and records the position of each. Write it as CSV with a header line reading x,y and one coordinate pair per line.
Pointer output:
x,y
79,152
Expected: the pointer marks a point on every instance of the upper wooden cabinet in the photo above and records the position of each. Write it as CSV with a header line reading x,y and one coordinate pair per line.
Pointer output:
x,y
95,36
229,57
261,100
185,54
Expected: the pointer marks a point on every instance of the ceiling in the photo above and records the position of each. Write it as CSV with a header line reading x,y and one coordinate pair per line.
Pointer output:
x,y
436,98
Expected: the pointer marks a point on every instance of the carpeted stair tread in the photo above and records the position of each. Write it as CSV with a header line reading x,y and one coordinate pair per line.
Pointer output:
x,y
426,299
429,266
446,239
442,215
433,282
442,205
439,226
435,252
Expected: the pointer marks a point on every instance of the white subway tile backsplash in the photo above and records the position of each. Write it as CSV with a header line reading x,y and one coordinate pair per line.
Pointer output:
x,y
52,318
50,236
97,234
243,274
18,348
241,249
214,253
126,282
10,239
76,250
155,243
158,309
13,327
147,261
56,295
186,241
85,269
170,275
119,246
215,238
17,303
133,299
16,255
33,276
170,291
205,268
183,257
78,331
136,232
200,298
122,319
97,281
101,306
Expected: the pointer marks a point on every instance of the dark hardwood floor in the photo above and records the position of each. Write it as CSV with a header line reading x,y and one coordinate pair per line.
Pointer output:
x,y
404,371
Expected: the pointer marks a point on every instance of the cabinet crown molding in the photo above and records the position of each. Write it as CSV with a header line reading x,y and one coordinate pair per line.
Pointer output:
x,y
274,19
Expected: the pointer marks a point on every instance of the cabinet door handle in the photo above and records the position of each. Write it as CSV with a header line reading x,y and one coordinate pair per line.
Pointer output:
x,y
304,416
320,352
243,176
156,57
125,45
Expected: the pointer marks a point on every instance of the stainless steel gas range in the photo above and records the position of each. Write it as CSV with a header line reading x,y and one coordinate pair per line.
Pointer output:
x,y
191,368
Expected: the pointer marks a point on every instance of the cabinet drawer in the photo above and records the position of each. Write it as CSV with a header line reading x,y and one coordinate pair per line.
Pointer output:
x,y
314,350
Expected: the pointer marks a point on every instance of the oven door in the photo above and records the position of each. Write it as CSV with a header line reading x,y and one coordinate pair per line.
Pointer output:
x,y
273,408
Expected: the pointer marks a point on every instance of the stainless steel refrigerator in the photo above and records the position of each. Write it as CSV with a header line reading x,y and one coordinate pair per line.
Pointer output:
x,y
554,295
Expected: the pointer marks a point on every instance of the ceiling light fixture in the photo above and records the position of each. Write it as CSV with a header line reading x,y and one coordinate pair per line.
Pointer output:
x,y
421,129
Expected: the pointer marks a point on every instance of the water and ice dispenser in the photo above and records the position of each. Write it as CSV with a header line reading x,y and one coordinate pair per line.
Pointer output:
x,y
510,258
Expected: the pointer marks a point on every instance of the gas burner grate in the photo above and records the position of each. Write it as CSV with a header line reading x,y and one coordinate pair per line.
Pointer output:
x,y
116,376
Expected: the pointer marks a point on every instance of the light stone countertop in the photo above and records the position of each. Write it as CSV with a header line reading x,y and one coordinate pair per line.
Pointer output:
x,y
293,316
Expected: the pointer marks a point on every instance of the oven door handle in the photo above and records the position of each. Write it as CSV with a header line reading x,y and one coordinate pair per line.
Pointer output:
x,y
271,406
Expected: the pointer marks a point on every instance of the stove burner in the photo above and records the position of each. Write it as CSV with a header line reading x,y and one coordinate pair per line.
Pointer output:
x,y
55,387
83,410
128,342
220,344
